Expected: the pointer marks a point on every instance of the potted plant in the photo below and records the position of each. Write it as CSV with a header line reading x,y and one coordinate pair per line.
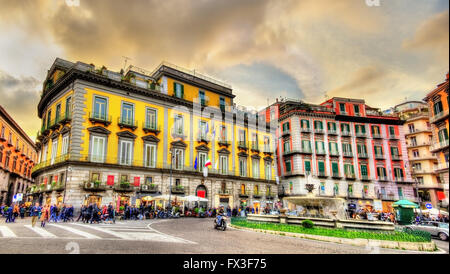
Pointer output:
x,y
97,183
124,184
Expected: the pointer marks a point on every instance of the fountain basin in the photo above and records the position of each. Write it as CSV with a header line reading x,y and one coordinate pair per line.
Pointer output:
x,y
324,207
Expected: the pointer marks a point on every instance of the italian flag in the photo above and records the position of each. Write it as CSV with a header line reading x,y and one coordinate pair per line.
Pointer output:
x,y
208,163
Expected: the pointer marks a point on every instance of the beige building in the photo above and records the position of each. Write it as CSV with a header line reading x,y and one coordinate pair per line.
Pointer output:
x,y
418,135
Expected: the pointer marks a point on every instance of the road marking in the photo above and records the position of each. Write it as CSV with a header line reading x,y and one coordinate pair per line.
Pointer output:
x,y
167,235
6,232
76,231
44,233
116,234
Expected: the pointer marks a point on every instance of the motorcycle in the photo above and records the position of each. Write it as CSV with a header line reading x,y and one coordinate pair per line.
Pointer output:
x,y
220,222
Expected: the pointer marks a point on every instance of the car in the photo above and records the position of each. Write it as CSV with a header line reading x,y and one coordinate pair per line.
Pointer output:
x,y
437,229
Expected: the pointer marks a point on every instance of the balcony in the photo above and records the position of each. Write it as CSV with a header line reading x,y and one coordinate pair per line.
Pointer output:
x,y
377,136
442,166
332,132
363,155
58,186
242,145
94,186
46,188
123,122
244,194
100,118
66,118
418,145
270,195
151,127
320,152
322,174
439,146
149,188
319,131
254,147
54,124
379,156
440,116
334,153
223,142
365,178
387,197
124,187
401,180
350,176
361,135
393,136
335,175
347,154
383,179
306,150
291,173
267,150
178,190
305,129
202,137
396,157
257,195
224,192
345,133
285,133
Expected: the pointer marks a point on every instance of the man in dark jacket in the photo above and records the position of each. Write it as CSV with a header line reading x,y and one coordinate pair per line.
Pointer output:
x,y
34,213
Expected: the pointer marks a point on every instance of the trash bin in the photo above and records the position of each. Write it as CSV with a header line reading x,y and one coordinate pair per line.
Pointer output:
x,y
405,211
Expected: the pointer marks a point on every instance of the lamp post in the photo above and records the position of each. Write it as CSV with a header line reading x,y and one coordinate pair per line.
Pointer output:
x,y
417,191
170,182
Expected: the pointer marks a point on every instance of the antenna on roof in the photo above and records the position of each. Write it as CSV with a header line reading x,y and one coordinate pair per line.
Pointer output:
x,y
125,61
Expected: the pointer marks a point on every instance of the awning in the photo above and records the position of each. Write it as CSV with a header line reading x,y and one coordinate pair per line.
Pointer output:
x,y
405,204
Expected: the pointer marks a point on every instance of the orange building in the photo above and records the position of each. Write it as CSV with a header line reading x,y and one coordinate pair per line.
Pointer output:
x,y
17,157
438,104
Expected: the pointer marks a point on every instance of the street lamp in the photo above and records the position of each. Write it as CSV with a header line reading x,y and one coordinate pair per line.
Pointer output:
x,y
417,191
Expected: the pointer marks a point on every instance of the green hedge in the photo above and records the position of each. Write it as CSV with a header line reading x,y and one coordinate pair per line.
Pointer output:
x,y
333,232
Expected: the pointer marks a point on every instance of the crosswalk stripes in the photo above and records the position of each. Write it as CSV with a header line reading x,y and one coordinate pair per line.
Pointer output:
x,y
108,231
76,231
6,232
42,232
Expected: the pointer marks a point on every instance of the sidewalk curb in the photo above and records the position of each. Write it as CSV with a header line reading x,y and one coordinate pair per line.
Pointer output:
x,y
414,246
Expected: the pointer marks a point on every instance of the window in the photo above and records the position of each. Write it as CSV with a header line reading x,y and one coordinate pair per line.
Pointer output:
x,y
362,150
416,153
127,116
364,172
307,167
318,125
391,131
201,96
150,155
350,190
125,152
68,106
44,153
57,113
345,128
179,159
49,116
375,130
320,147
242,189
255,168
242,136
346,148
305,124
411,128
413,141
223,162
287,146
222,103
356,108
306,145
201,160
266,144
342,108
443,135
148,180
335,168
437,107
381,172
286,127
398,173
3,132
100,106
287,164
150,118
123,178
336,189
95,176
321,166
243,167
54,151
400,193
65,145
98,149
223,133
331,126
179,124
268,170
349,170
333,147
178,90
394,151
378,150
360,129
203,128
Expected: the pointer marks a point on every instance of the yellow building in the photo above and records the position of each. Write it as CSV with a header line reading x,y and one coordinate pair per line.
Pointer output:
x,y
422,163
136,136
438,103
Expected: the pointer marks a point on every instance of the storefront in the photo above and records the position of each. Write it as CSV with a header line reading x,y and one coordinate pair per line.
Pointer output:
x,y
257,206
122,201
93,199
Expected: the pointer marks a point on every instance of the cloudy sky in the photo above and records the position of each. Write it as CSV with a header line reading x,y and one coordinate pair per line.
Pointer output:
x,y
307,49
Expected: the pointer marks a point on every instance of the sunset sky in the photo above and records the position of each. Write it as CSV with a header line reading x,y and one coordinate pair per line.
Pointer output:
x,y
306,49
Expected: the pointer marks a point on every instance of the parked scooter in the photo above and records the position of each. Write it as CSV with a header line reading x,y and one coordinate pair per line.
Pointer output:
x,y
220,222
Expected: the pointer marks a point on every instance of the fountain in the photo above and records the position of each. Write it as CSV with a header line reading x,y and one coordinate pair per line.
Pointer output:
x,y
319,207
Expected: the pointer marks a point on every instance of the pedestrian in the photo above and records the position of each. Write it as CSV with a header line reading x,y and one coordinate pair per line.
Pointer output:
x,y
9,215
34,213
45,214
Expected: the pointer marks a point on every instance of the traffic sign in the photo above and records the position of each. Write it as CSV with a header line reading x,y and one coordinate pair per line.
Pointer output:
x,y
429,206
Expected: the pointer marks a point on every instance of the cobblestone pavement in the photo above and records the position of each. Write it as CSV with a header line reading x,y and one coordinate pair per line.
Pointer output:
x,y
186,235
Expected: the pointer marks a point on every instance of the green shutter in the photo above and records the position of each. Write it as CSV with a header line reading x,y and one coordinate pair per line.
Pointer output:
x,y
364,170
357,129
335,167
182,91
308,166
175,88
321,167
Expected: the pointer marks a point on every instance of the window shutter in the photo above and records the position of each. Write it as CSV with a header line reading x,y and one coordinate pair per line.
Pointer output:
x,y
175,88
335,167
182,91
321,167
308,166
357,129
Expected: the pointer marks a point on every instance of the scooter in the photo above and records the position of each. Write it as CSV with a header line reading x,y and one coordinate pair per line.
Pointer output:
x,y
220,222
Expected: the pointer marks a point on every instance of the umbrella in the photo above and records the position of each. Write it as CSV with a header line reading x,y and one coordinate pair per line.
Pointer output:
x,y
192,198
405,204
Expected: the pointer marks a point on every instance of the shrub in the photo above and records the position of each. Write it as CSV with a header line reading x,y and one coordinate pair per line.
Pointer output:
x,y
307,224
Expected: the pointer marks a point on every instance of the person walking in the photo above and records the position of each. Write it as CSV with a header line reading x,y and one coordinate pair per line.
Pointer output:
x,y
81,216
45,215
9,214
22,211
34,213
111,213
